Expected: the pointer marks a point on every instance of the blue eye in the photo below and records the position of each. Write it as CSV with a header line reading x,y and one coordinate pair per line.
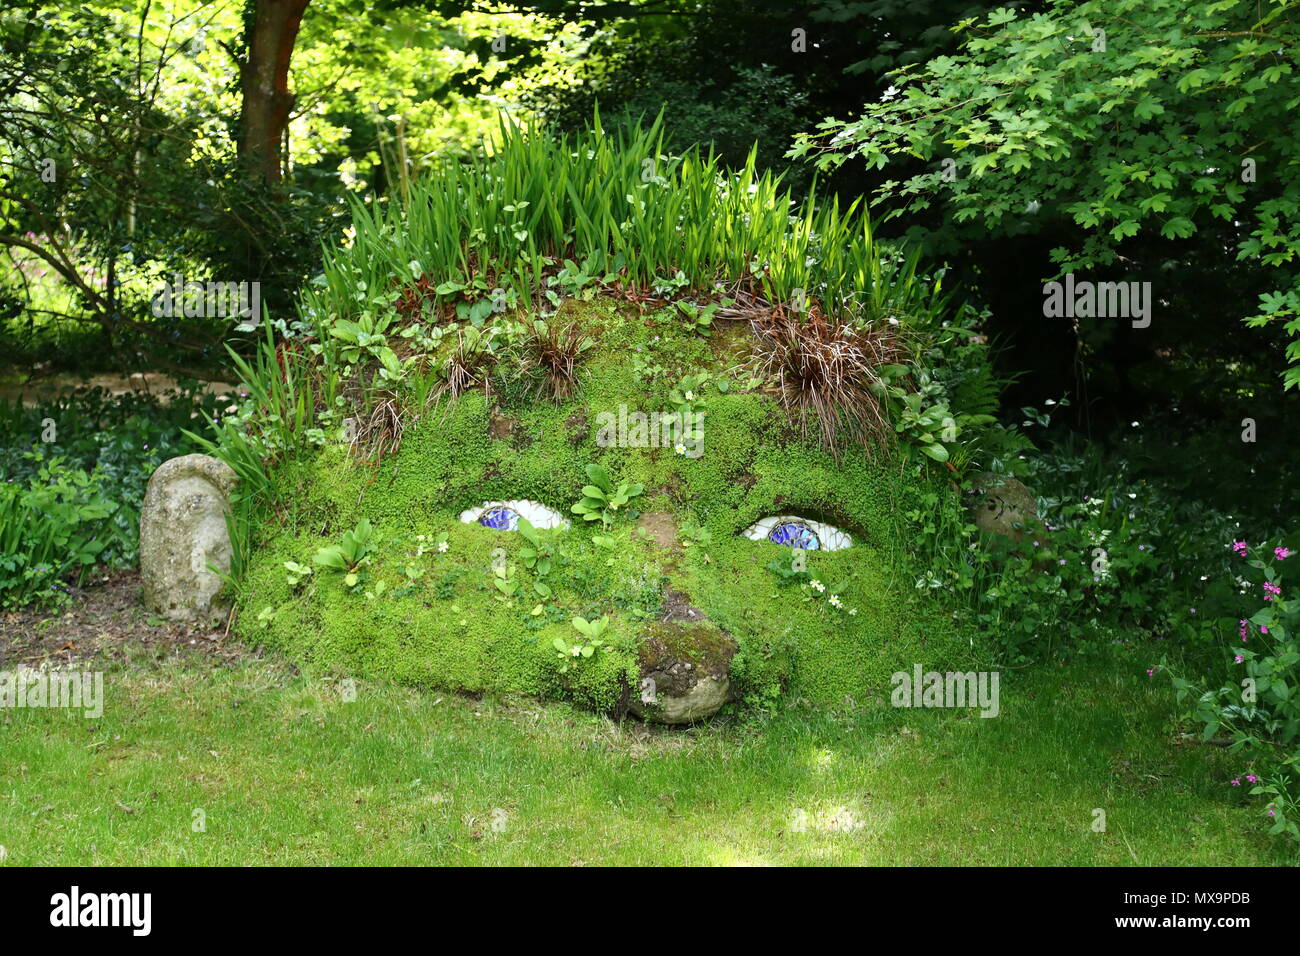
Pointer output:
x,y
794,535
505,515
791,531
500,519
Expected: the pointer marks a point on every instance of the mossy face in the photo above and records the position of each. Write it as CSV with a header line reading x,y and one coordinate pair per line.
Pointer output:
x,y
475,616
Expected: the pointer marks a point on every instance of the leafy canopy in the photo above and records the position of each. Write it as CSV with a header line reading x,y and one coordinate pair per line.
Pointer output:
x,y
1159,117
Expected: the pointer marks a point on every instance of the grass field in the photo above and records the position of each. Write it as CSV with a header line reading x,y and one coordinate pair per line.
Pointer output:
x,y
285,770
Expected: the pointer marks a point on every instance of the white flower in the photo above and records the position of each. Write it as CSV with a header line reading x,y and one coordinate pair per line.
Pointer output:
x,y
690,396
680,448
576,652
835,600
852,611
818,586
442,547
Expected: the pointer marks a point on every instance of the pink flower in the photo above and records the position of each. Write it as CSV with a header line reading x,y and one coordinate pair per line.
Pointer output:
x,y
1282,553
1240,548
1238,659
1236,783
1252,778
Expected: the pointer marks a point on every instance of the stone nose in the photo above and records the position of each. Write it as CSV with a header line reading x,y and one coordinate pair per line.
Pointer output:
x,y
684,665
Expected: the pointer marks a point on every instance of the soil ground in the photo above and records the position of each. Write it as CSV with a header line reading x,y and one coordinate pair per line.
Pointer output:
x,y
103,622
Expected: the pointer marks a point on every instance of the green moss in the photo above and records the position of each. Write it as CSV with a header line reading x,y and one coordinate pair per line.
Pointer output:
x,y
453,629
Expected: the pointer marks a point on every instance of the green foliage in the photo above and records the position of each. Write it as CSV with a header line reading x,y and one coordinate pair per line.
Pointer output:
x,y
695,535
51,527
74,472
540,555
597,199
287,403
1125,118
791,569
523,212
1251,693
365,337
348,556
700,317
688,395
591,639
454,627
115,175
943,395
757,105
297,573
729,73
1108,557
602,498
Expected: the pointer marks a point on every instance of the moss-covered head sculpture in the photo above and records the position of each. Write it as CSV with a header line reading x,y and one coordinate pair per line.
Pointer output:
x,y
625,432
662,540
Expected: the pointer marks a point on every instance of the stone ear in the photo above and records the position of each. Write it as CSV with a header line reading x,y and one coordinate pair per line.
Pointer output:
x,y
182,532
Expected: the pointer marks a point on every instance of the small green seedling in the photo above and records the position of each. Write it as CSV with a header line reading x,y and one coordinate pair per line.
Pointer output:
x,y
349,555
591,639
601,499
297,573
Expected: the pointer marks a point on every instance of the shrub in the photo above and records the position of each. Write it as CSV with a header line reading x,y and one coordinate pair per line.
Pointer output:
x,y
74,501
1110,556
1252,692
56,524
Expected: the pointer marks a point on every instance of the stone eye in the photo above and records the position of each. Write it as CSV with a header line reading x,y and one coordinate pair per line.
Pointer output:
x,y
795,532
505,515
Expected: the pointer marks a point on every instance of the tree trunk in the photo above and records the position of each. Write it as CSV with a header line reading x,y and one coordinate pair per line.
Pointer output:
x,y
267,102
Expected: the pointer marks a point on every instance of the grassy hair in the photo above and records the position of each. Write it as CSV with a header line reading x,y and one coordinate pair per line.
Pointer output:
x,y
618,201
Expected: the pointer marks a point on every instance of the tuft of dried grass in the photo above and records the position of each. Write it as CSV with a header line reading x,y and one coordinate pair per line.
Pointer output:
x,y
378,433
549,358
469,366
824,370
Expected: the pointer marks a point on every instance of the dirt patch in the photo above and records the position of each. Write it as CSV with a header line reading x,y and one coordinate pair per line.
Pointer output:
x,y
146,383
732,343
671,489
576,427
503,427
678,608
662,527
106,623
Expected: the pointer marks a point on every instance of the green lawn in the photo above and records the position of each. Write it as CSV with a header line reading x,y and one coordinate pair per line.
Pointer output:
x,y
288,772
